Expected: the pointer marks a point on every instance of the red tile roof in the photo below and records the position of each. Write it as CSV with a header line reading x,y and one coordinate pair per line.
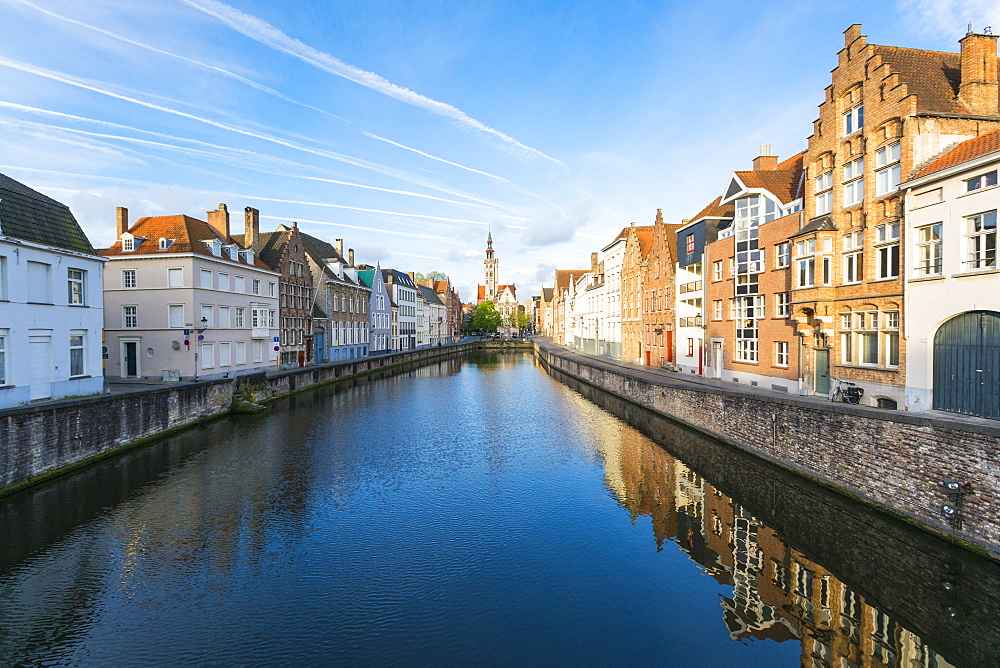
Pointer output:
x,y
967,150
714,210
933,76
565,276
187,234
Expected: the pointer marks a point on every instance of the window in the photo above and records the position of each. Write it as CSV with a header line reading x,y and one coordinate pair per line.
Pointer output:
x,y
175,277
223,317
717,270
717,309
175,315
166,243
225,350
128,244
224,281
239,284
130,317
746,350
75,285
258,350
782,304
39,285
240,317
888,261
76,356
689,243
807,272
854,182
827,271
206,316
887,232
852,267
982,181
887,169
854,119
3,279
782,257
981,240
241,352
929,250
207,355
271,286
3,356
206,279
824,193
690,347
128,278
781,353
255,286
868,347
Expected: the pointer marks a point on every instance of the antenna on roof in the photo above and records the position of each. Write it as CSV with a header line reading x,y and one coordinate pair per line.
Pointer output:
x,y
988,30
969,31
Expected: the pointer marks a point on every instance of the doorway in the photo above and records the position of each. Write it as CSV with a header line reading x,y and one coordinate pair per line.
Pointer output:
x,y
822,378
130,359
40,366
967,365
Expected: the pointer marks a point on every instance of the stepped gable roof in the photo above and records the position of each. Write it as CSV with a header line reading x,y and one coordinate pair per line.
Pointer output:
x,y
429,294
645,237
321,250
566,276
963,152
187,234
29,215
934,76
714,210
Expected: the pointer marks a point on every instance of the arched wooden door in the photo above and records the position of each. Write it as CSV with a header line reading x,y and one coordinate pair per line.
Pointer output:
x,y
967,364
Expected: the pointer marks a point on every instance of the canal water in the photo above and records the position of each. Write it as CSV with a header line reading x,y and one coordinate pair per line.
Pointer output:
x,y
473,511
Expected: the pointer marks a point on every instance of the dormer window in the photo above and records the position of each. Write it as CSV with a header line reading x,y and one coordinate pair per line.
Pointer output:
x,y
128,243
246,256
233,252
214,246
166,243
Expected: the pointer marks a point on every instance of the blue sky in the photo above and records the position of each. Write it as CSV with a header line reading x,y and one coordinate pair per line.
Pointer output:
x,y
411,128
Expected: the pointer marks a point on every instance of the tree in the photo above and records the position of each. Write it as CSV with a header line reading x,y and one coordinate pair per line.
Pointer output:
x,y
486,318
523,320
431,276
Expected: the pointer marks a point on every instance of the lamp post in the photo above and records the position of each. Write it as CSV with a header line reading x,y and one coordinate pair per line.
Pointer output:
x,y
204,326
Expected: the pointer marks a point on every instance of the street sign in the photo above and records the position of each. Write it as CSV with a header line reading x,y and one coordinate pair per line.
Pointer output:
x,y
187,332
187,342
276,349
276,339
201,337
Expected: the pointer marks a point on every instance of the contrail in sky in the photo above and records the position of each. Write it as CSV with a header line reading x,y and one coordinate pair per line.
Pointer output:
x,y
265,33
190,61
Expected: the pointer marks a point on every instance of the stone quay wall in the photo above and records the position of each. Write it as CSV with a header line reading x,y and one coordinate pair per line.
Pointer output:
x,y
895,461
41,441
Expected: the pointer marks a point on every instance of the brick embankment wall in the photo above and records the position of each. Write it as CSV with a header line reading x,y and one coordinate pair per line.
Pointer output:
x,y
895,461
37,442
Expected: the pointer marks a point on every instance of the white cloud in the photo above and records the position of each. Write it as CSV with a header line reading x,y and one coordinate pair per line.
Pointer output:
x,y
267,34
950,18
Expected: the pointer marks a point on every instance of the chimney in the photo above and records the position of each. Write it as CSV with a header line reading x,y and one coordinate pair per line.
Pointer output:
x,y
218,220
339,245
350,257
121,221
251,226
979,89
766,161
593,263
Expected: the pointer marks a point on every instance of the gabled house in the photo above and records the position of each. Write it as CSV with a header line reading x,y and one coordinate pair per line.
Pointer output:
x,y
659,287
380,310
403,299
284,252
638,241
51,305
431,327
563,286
183,299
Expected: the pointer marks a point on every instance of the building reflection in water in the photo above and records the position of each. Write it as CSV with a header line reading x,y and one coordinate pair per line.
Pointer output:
x,y
777,593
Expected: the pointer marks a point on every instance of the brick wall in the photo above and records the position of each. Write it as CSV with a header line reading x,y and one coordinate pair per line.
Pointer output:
x,y
895,461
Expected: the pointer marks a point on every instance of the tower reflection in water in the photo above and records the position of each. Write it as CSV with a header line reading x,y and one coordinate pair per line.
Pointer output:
x,y
777,593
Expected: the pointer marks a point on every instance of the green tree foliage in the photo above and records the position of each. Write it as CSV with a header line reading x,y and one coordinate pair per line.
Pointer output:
x,y
486,318
431,276
523,320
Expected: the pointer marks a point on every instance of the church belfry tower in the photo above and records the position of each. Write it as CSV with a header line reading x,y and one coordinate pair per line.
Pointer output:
x,y
490,284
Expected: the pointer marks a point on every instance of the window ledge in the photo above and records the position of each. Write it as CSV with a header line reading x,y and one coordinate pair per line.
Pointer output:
x,y
976,272
870,367
920,279
884,280
79,377
852,207
779,366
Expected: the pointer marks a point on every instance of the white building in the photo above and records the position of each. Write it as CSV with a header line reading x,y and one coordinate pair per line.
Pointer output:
x,y
952,288
403,296
614,257
380,309
183,300
51,308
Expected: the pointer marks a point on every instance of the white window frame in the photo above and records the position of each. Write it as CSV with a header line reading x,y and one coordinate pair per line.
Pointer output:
x,y
206,313
3,357
172,310
887,169
824,193
76,286
781,353
986,180
854,119
930,244
223,281
225,353
239,318
255,286
207,355
782,304
130,316
205,279
128,279
175,277
783,255
981,240
81,349
225,320
854,182
241,353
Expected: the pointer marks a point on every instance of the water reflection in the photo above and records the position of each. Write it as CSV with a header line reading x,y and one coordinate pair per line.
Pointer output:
x,y
470,512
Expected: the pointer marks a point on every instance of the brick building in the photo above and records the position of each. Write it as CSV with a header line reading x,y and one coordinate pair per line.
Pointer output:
x,y
658,295
638,241
887,111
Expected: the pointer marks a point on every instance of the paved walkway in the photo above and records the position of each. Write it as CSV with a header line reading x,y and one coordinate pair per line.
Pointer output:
x,y
654,374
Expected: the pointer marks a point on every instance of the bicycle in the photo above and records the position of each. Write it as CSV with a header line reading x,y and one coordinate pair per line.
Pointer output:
x,y
847,392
